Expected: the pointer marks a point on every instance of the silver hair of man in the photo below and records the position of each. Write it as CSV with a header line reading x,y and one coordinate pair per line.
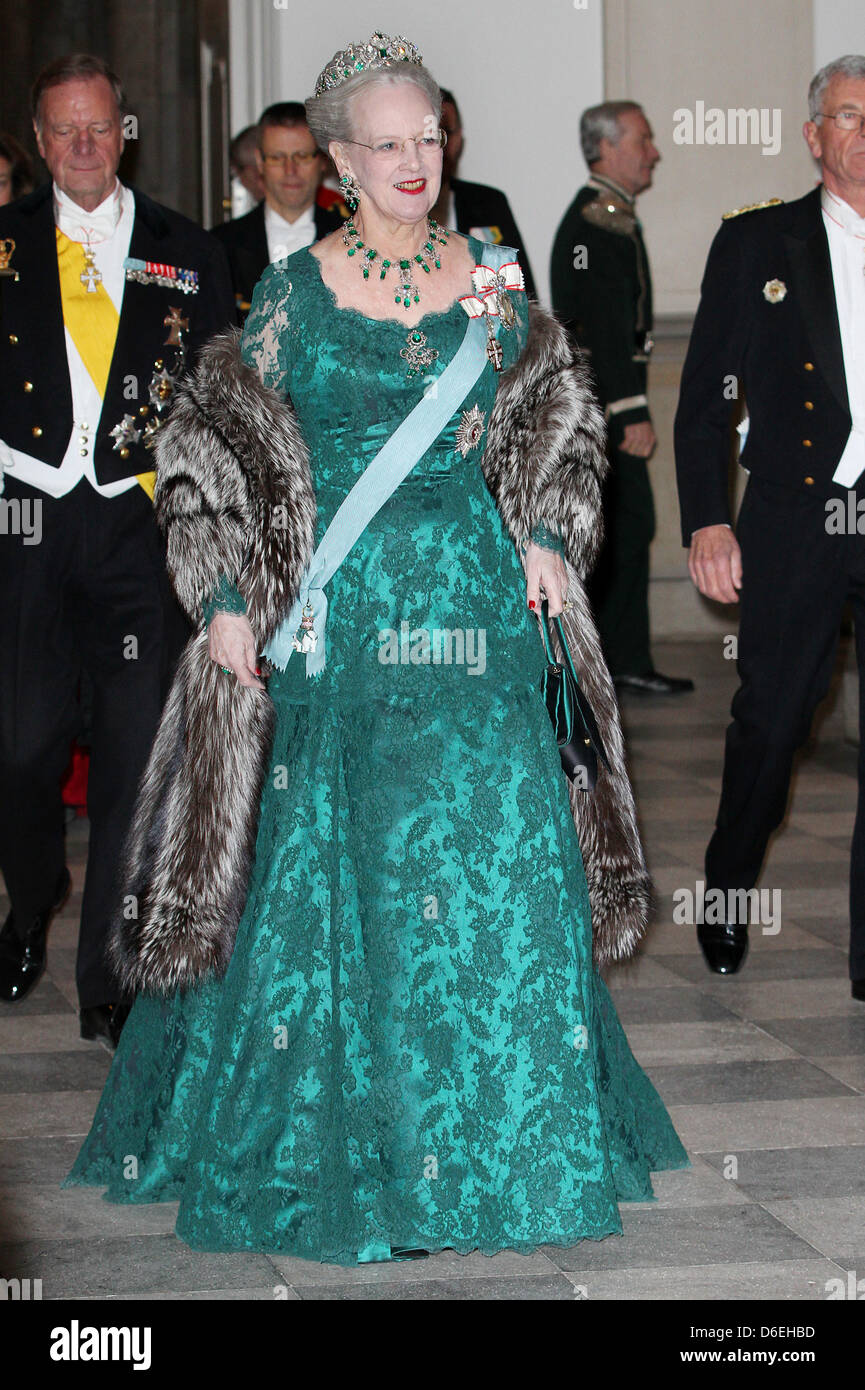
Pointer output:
x,y
851,65
601,122
329,116
75,67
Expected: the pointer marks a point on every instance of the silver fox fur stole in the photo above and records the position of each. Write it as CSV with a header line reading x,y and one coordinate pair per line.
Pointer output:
x,y
230,452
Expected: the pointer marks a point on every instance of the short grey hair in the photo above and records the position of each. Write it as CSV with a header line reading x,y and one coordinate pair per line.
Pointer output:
x,y
74,67
601,122
329,116
851,65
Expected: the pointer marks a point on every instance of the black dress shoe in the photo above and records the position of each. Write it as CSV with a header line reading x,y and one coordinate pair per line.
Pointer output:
x,y
400,1252
104,1023
22,955
724,946
857,989
653,683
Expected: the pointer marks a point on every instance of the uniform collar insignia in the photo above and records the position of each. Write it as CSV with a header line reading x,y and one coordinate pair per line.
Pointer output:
x,y
605,185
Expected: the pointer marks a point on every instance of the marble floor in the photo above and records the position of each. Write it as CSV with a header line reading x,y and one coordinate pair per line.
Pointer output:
x,y
763,1074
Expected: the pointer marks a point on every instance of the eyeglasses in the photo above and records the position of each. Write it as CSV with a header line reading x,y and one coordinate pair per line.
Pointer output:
x,y
303,157
846,120
386,150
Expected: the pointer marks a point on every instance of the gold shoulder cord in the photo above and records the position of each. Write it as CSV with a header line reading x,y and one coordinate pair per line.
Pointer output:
x,y
752,207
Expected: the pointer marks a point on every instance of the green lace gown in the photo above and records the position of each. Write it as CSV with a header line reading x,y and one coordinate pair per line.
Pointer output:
x,y
411,1047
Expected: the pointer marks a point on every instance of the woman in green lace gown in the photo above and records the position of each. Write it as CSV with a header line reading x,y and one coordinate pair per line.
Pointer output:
x,y
411,1048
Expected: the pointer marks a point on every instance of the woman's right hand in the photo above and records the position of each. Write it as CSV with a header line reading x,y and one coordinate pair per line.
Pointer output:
x,y
232,644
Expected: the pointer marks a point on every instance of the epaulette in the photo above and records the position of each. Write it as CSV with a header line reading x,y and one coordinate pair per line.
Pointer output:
x,y
752,207
607,211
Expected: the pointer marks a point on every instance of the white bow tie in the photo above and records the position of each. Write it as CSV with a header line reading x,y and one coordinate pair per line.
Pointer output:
x,y
89,227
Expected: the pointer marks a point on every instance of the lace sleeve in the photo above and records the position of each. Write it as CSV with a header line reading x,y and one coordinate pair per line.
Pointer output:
x,y
545,538
264,344
225,597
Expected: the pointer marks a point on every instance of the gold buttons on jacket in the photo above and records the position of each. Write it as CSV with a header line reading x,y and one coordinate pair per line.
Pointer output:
x,y
809,405
144,410
13,338
28,385
809,366
124,453
36,431
807,443
809,482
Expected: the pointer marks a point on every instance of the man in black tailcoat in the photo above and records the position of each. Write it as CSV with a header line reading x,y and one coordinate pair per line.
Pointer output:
x,y
290,215
106,297
782,314
475,209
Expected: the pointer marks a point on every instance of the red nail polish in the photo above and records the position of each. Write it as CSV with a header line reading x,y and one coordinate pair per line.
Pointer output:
x,y
531,603
258,670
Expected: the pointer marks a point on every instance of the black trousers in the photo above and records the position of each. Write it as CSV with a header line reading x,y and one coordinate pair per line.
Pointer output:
x,y
619,586
796,580
91,596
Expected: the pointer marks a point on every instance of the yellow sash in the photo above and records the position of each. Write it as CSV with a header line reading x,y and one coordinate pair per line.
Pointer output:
x,y
92,321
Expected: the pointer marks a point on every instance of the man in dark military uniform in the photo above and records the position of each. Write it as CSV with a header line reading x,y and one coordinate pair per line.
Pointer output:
x,y
105,298
783,314
602,292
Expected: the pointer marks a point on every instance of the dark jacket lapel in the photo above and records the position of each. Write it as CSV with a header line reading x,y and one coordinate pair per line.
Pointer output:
x,y
251,253
149,230
326,220
811,270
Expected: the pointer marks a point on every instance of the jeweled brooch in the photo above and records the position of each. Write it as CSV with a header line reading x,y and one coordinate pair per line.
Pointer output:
x,y
416,353
774,291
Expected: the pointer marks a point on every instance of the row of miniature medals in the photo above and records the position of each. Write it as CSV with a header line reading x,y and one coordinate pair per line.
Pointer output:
x,y
416,352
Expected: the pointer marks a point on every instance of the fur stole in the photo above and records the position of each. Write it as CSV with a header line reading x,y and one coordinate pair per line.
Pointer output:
x,y
229,459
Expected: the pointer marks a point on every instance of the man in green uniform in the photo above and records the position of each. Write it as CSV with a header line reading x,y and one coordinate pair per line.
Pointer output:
x,y
602,292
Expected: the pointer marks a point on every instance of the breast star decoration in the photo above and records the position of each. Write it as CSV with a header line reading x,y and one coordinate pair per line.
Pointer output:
x,y
774,291
469,430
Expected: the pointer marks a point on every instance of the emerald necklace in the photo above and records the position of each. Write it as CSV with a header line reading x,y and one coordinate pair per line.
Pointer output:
x,y
428,256
416,353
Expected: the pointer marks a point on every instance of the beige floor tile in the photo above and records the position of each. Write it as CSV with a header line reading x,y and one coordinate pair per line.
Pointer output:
x,y
777,1124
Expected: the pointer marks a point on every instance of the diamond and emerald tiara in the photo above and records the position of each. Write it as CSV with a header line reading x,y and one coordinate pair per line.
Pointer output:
x,y
379,52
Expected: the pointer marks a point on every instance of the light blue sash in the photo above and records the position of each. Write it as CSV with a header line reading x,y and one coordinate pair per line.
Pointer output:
x,y
393,463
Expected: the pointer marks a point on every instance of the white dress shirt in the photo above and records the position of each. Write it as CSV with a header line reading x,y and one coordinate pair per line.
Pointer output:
x,y
284,238
846,232
109,229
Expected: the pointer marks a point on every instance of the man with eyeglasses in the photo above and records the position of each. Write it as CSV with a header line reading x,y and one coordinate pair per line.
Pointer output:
x,y
290,216
105,300
782,314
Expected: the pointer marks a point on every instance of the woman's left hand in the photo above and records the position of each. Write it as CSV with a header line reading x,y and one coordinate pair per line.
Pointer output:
x,y
545,569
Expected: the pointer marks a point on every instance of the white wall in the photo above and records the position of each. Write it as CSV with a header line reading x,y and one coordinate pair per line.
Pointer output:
x,y
522,73
671,54
839,28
